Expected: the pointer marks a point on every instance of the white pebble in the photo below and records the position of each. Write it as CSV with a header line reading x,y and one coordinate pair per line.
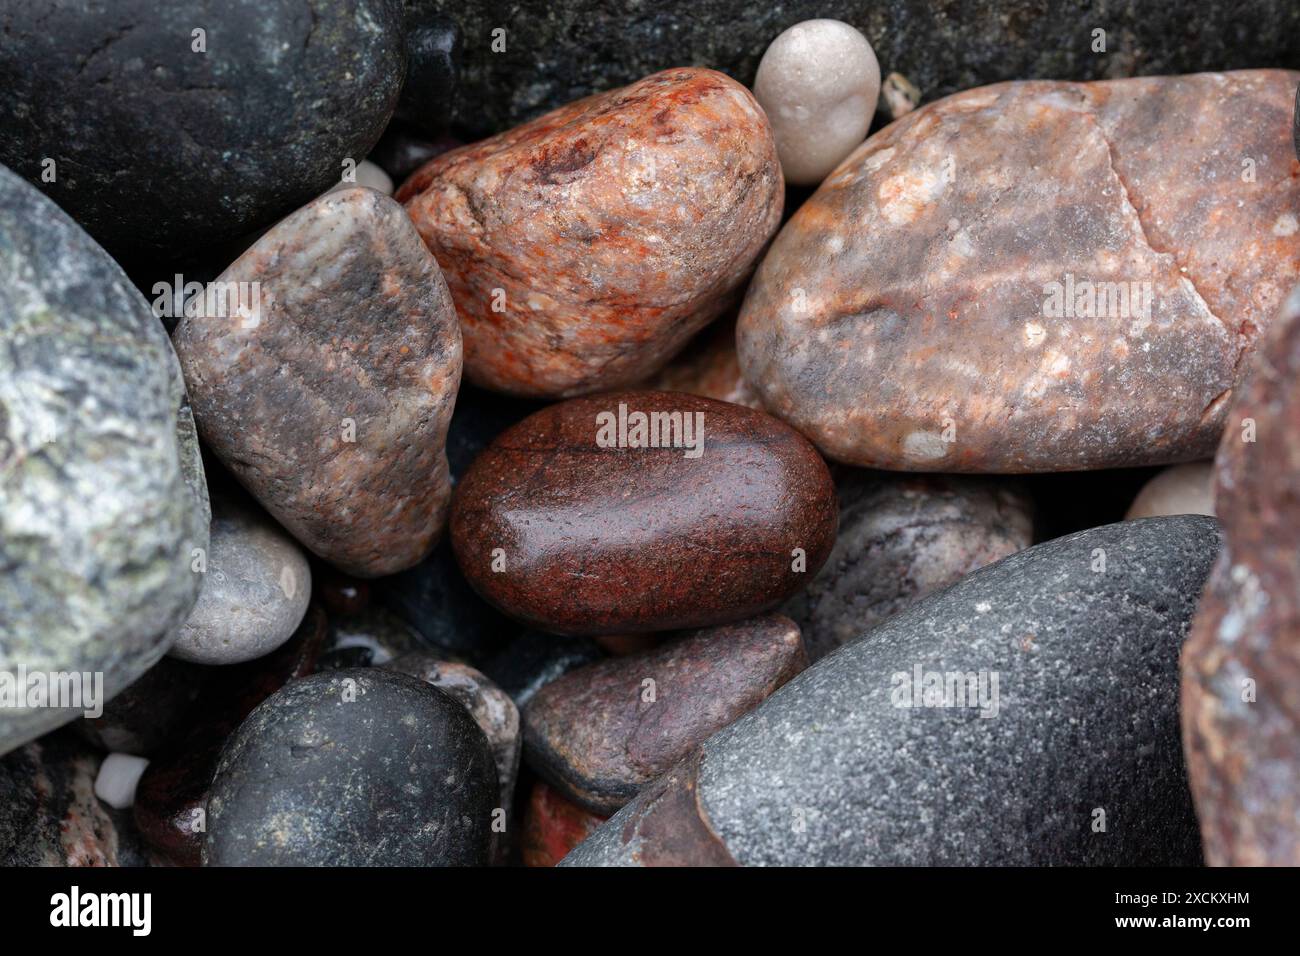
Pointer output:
x,y
370,176
818,82
118,776
1178,490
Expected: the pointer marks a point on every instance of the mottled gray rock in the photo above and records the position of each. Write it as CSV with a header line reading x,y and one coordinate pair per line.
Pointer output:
x,y
557,52
102,498
902,537
490,706
49,815
365,767
256,586
841,767
159,146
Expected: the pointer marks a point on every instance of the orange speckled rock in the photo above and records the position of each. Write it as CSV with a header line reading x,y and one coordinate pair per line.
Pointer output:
x,y
1241,664
1034,276
615,228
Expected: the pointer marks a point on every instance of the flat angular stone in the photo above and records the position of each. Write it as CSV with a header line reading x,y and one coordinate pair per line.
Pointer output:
x,y
1241,669
586,247
600,733
1072,757
256,585
329,397
102,497
163,147
553,826
562,528
902,537
365,767
934,305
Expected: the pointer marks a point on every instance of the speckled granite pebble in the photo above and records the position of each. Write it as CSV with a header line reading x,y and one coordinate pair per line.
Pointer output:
x,y
1074,760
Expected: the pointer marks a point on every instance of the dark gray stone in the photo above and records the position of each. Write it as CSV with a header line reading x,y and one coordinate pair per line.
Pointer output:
x,y
102,498
533,659
433,44
557,52
151,712
365,767
835,769
902,537
160,147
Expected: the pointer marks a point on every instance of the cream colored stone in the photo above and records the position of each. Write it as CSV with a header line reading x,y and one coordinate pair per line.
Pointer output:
x,y
1178,490
818,82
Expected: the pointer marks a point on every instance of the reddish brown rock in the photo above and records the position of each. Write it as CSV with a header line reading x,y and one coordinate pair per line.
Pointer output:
x,y
560,527
600,733
913,315
553,826
708,367
1241,665
584,248
330,394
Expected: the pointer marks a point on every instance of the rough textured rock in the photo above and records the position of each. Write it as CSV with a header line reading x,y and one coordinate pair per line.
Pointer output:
x,y
256,587
841,767
1241,668
587,247
365,767
329,397
170,806
708,367
600,733
162,147
927,287
49,815
553,826
102,498
490,706
818,83
902,537
562,528
533,659
1186,489
555,53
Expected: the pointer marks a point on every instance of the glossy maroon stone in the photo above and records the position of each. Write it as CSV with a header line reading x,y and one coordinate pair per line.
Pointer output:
x,y
575,537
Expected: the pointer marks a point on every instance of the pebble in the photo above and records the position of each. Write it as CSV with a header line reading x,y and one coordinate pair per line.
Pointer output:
x,y
902,537
818,83
433,55
118,776
939,288
585,248
363,767
1072,757
369,175
1241,669
170,809
900,96
708,367
102,498
490,706
330,399
600,733
1186,489
563,529
553,826
256,587
239,132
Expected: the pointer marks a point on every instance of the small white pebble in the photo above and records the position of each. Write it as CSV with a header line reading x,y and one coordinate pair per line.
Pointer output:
x,y
119,775
370,176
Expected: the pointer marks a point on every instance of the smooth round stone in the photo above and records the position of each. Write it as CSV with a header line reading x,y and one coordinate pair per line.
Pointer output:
x,y
102,498
490,706
1027,715
818,82
118,776
976,290
255,590
1241,667
902,537
329,397
553,826
433,54
562,528
369,175
365,767
1186,489
238,133
585,248
601,733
